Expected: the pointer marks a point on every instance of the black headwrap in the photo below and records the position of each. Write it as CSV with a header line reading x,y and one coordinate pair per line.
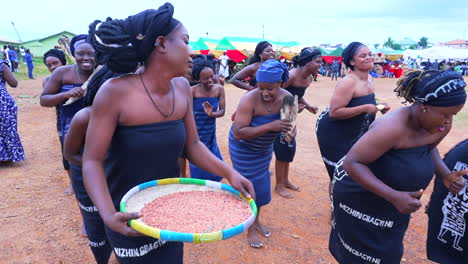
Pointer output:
x,y
441,88
146,26
76,41
349,52
307,54
57,54
199,65
262,45
122,44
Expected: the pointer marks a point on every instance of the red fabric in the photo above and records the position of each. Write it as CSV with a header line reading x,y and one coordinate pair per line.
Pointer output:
x,y
236,55
396,71
329,59
205,52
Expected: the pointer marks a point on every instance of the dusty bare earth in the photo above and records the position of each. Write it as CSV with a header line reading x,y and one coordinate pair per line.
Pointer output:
x,y
40,224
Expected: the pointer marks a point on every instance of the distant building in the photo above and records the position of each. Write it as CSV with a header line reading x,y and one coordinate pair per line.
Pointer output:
x,y
7,41
457,43
40,46
406,43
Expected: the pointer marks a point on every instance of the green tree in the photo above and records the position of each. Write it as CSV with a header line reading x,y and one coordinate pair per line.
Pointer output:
x,y
389,42
396,46
376,45
423,42
412,47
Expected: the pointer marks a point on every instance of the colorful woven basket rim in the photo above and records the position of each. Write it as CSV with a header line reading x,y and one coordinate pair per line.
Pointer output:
x,y
197,238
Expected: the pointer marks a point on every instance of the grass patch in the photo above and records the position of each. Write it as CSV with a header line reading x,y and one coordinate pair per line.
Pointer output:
x,y
40,70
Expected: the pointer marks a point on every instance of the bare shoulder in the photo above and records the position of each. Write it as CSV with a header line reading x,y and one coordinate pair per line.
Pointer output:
x,y
182,84
60,71
283,92
392,124
219,89
346,82
117,88
249,97
83,115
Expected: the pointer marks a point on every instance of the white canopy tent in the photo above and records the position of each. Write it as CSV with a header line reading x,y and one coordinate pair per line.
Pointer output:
x,y
437,53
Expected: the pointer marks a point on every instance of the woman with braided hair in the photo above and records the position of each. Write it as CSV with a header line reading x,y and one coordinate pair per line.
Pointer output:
x,y
263,52
307,63
352,107
73,151
208,104
141,123
53,59
380,181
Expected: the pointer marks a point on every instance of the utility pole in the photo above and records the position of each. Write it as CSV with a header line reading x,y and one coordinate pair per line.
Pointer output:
x,y
16,31
263,31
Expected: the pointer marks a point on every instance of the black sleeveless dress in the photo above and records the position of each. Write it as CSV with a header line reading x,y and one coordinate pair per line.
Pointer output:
x,y
447,241
139,154
366,228
285,151
336,136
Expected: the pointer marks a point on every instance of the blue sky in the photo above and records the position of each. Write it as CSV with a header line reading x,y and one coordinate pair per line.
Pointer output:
x,y
306,21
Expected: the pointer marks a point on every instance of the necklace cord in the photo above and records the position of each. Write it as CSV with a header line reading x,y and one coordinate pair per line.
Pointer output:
x,y
154,103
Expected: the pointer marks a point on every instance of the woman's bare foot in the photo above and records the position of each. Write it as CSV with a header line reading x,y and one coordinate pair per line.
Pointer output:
x,y
83,231
293,187
263,230
253,238
69,190
281,190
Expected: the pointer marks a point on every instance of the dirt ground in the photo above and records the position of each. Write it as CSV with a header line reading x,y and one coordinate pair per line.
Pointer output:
x,y
40,224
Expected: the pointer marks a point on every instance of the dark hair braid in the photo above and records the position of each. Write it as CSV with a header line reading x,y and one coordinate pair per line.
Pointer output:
x,y
98,79
114,48
406,84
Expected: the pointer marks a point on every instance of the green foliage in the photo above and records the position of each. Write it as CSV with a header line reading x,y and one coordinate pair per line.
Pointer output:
x,y
412,47
376,45
423,42
390,43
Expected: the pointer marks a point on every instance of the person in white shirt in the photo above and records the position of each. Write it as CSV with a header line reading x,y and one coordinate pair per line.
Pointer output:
x,y
224,67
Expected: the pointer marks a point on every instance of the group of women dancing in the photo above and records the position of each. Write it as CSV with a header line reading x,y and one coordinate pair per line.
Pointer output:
x,y
127,115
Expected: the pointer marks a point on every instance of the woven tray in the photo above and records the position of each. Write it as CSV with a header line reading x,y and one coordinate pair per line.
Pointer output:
x,y
135,199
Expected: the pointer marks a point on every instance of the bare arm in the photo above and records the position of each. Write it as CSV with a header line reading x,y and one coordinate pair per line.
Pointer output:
x,y
453,181
199,154
103,121
75,138
44,81
341,98
379,139
9,77
238,78
51,95
222,104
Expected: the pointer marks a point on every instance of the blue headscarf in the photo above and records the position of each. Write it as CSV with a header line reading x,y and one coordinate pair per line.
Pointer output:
x,y
76,41
272,71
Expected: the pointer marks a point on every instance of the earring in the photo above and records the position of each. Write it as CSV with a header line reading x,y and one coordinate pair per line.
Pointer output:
x,y
424,110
